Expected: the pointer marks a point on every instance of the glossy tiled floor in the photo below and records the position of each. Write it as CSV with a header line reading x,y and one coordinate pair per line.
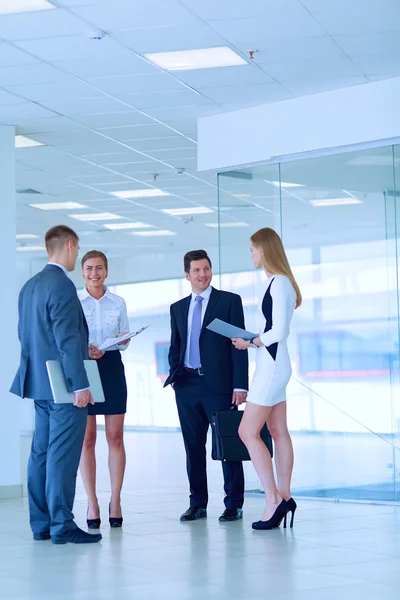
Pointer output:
x,y
335,552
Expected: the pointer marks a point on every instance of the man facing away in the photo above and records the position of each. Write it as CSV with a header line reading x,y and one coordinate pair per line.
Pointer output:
x,y
208,374
52,326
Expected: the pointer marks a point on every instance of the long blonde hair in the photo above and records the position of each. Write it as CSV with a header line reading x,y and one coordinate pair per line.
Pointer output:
x,y
274,256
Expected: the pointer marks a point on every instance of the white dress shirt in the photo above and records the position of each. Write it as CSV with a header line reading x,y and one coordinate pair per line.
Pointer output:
x,y
106,317
206,295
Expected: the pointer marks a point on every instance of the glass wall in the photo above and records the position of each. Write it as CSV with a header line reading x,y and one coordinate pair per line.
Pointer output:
x,y
339,218
339,221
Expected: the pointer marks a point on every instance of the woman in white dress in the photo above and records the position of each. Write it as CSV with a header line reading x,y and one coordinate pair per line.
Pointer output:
x,y
266,401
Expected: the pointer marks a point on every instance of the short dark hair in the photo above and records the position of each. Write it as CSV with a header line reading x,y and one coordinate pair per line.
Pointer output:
x,y
195,255
95,254
57,236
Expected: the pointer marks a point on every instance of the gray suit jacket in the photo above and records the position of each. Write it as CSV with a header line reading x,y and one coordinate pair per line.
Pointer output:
x,y
51,326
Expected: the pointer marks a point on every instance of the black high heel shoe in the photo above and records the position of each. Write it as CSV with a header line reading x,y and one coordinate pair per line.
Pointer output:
x,y
290,508
93,523
276,519
114,521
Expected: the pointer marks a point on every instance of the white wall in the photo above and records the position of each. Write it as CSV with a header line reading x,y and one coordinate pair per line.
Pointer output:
x,y
10,475
333,119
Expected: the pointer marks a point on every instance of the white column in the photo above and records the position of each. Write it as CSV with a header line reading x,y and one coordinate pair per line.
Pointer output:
x,y
10,405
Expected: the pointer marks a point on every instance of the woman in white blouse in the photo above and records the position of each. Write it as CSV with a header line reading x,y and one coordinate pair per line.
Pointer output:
x,y
107,317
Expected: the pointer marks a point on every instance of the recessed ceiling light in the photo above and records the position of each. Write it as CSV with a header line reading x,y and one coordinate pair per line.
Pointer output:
x,y
159,232
195,210
95,217
27,236
335,201
148,193
58,206
18,6
137,225
21,141
205,58
31,248
232,224
285,184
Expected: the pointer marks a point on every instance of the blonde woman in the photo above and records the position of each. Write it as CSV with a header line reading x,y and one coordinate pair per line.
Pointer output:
x,y
266,401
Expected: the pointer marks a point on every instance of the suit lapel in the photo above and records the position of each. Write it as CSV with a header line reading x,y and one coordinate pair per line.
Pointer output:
x,y
212,303
183,326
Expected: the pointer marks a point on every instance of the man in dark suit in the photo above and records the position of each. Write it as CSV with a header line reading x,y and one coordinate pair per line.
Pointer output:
x,y
52,326
208,374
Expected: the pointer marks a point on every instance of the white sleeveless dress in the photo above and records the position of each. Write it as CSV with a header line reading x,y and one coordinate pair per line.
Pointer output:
x,y
273,368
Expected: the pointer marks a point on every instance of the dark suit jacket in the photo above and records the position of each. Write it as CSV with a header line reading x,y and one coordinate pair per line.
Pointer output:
x,y
51,326
224,367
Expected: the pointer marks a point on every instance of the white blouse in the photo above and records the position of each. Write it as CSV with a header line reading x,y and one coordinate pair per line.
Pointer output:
x,y
106,317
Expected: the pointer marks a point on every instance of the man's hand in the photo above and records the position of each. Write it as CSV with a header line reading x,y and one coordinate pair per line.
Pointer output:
x,y
240,344
239,397
94,352
126,341
82,399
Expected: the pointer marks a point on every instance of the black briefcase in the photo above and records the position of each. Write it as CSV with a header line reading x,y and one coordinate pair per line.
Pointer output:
x,y
226,443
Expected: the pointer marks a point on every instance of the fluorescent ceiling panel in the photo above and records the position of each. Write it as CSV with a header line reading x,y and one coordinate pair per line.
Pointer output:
x,y
26,236
158,233
95,217
335,201
58,206
232,224
116,226
205,58
195,210
19,6
285,184
31,249
147,193
21,141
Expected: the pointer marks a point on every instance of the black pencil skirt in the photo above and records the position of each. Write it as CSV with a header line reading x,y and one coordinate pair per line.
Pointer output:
x,y
112,375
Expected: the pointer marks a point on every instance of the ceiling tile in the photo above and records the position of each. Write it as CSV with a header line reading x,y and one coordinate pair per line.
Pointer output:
x,y
371,43
9,55
294,48
166,99
190,112
312,70
210,10
278,27
46,125
38,24
340,18
124,66
240,75
86,106
138,132
175,154
269,92
55,91
75,46
304,88
378,64
170,38
33,73
121,119
13,115
112,16
7,98
137,84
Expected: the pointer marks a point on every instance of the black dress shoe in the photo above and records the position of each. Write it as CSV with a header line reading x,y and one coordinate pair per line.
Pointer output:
x,y
41,536
93,523
193,513
76,536
231,514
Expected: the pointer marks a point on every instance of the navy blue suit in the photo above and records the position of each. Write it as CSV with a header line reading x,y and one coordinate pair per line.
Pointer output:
x,y
52,326
224,369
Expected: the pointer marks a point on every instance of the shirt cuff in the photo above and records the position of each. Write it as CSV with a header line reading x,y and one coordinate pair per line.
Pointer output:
x,y
240,390
77,391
